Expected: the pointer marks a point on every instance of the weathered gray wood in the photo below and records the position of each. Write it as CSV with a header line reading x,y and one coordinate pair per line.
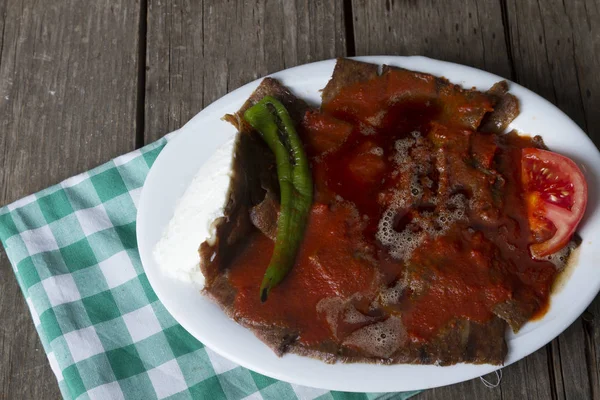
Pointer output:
x,y
198,52
592,344
528,378
174,65
521,380
468,390
467,32
555,46
68,79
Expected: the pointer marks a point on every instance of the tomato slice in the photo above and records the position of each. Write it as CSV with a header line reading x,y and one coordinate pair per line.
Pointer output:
x,y
556,196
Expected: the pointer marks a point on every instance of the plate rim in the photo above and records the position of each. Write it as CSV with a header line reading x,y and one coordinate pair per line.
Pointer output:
x,y
208,113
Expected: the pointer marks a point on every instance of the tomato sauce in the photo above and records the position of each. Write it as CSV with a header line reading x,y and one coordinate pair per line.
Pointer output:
x,y
400,154
329,264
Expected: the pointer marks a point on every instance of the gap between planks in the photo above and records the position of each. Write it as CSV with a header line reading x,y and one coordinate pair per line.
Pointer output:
x,y
140,105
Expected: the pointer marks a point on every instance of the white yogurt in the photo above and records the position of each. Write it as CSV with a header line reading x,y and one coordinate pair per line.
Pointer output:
x,y
177,251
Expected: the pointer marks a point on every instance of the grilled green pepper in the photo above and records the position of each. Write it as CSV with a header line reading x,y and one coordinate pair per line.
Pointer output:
x,y
270,118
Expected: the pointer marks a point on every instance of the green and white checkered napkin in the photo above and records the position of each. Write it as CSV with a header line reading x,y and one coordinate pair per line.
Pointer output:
x,y
107,336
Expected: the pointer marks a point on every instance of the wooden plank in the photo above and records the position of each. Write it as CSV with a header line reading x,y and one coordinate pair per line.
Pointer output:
x,y
542,42
511,386
68,81
555,54
528,378
174,65
470,33
538,385
197,52
584,21
466,32
68,77
473,389
592,344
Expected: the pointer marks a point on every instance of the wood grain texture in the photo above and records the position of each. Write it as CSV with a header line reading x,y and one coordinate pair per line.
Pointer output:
x,y
526,379
467,32
199,51
473,389
555,47
174,65
68,79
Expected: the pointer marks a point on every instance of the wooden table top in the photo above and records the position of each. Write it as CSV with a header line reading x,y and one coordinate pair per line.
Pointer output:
x,y
84,81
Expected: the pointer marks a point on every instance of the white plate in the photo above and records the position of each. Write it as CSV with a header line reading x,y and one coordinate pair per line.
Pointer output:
x,y
200,137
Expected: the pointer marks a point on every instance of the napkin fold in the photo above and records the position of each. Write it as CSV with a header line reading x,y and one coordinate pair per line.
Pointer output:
x,y
74,252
